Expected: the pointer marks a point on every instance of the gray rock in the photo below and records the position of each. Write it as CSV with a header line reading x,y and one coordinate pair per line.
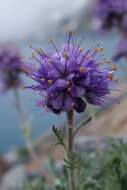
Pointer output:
x,y
88,144
14,179
11,157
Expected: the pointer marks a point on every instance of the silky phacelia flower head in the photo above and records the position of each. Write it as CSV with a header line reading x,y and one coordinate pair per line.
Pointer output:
x,y
10,67
111,13
71,77
121,49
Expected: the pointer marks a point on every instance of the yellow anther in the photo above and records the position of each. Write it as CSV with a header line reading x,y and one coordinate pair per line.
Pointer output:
x,y
81,49
71,32
68,90
39,50
43,79
65,55
68,83
22,59
34,54
114,68
50,81
73,104
108,61
49,61
110,77
88,57
81,69
99,49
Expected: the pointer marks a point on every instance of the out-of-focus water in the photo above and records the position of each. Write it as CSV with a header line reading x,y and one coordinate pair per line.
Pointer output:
x,y
10,134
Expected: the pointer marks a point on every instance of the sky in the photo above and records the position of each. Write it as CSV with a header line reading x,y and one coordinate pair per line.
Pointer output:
x,y
33,19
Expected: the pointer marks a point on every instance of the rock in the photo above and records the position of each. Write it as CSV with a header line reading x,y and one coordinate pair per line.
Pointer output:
x,y
4,166
14,179
11,157
88,144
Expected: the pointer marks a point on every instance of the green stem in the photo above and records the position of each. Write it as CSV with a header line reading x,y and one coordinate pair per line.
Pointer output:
x,y
71,149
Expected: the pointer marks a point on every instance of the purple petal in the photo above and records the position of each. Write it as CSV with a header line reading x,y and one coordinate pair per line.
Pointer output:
x,y
68,103
77,91
80,105
57,103
61,83
70,76
93,98
53,74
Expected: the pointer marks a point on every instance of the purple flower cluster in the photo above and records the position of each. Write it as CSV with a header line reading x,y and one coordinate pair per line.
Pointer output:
x,y
10,67
112,13
71,77
121,50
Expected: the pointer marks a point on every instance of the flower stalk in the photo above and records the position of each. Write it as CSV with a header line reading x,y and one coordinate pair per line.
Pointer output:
x,y
71,149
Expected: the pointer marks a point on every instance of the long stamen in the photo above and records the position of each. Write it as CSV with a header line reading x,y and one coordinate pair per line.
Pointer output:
x,y
98,57
70,34
34,78
80,51
91,53
39,52
79,44
67,58
69,37
34,57
54,64
85,57
53,44
73,42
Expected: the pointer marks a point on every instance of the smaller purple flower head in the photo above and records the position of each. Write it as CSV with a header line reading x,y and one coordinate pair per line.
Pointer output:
x,y
111,13
123,28
10,67
71,77
121,49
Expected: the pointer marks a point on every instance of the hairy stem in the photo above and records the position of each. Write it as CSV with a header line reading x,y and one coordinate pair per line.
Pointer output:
x,y
71,149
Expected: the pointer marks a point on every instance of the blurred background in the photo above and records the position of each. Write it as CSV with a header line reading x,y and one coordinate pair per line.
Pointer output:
x,y
34,22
